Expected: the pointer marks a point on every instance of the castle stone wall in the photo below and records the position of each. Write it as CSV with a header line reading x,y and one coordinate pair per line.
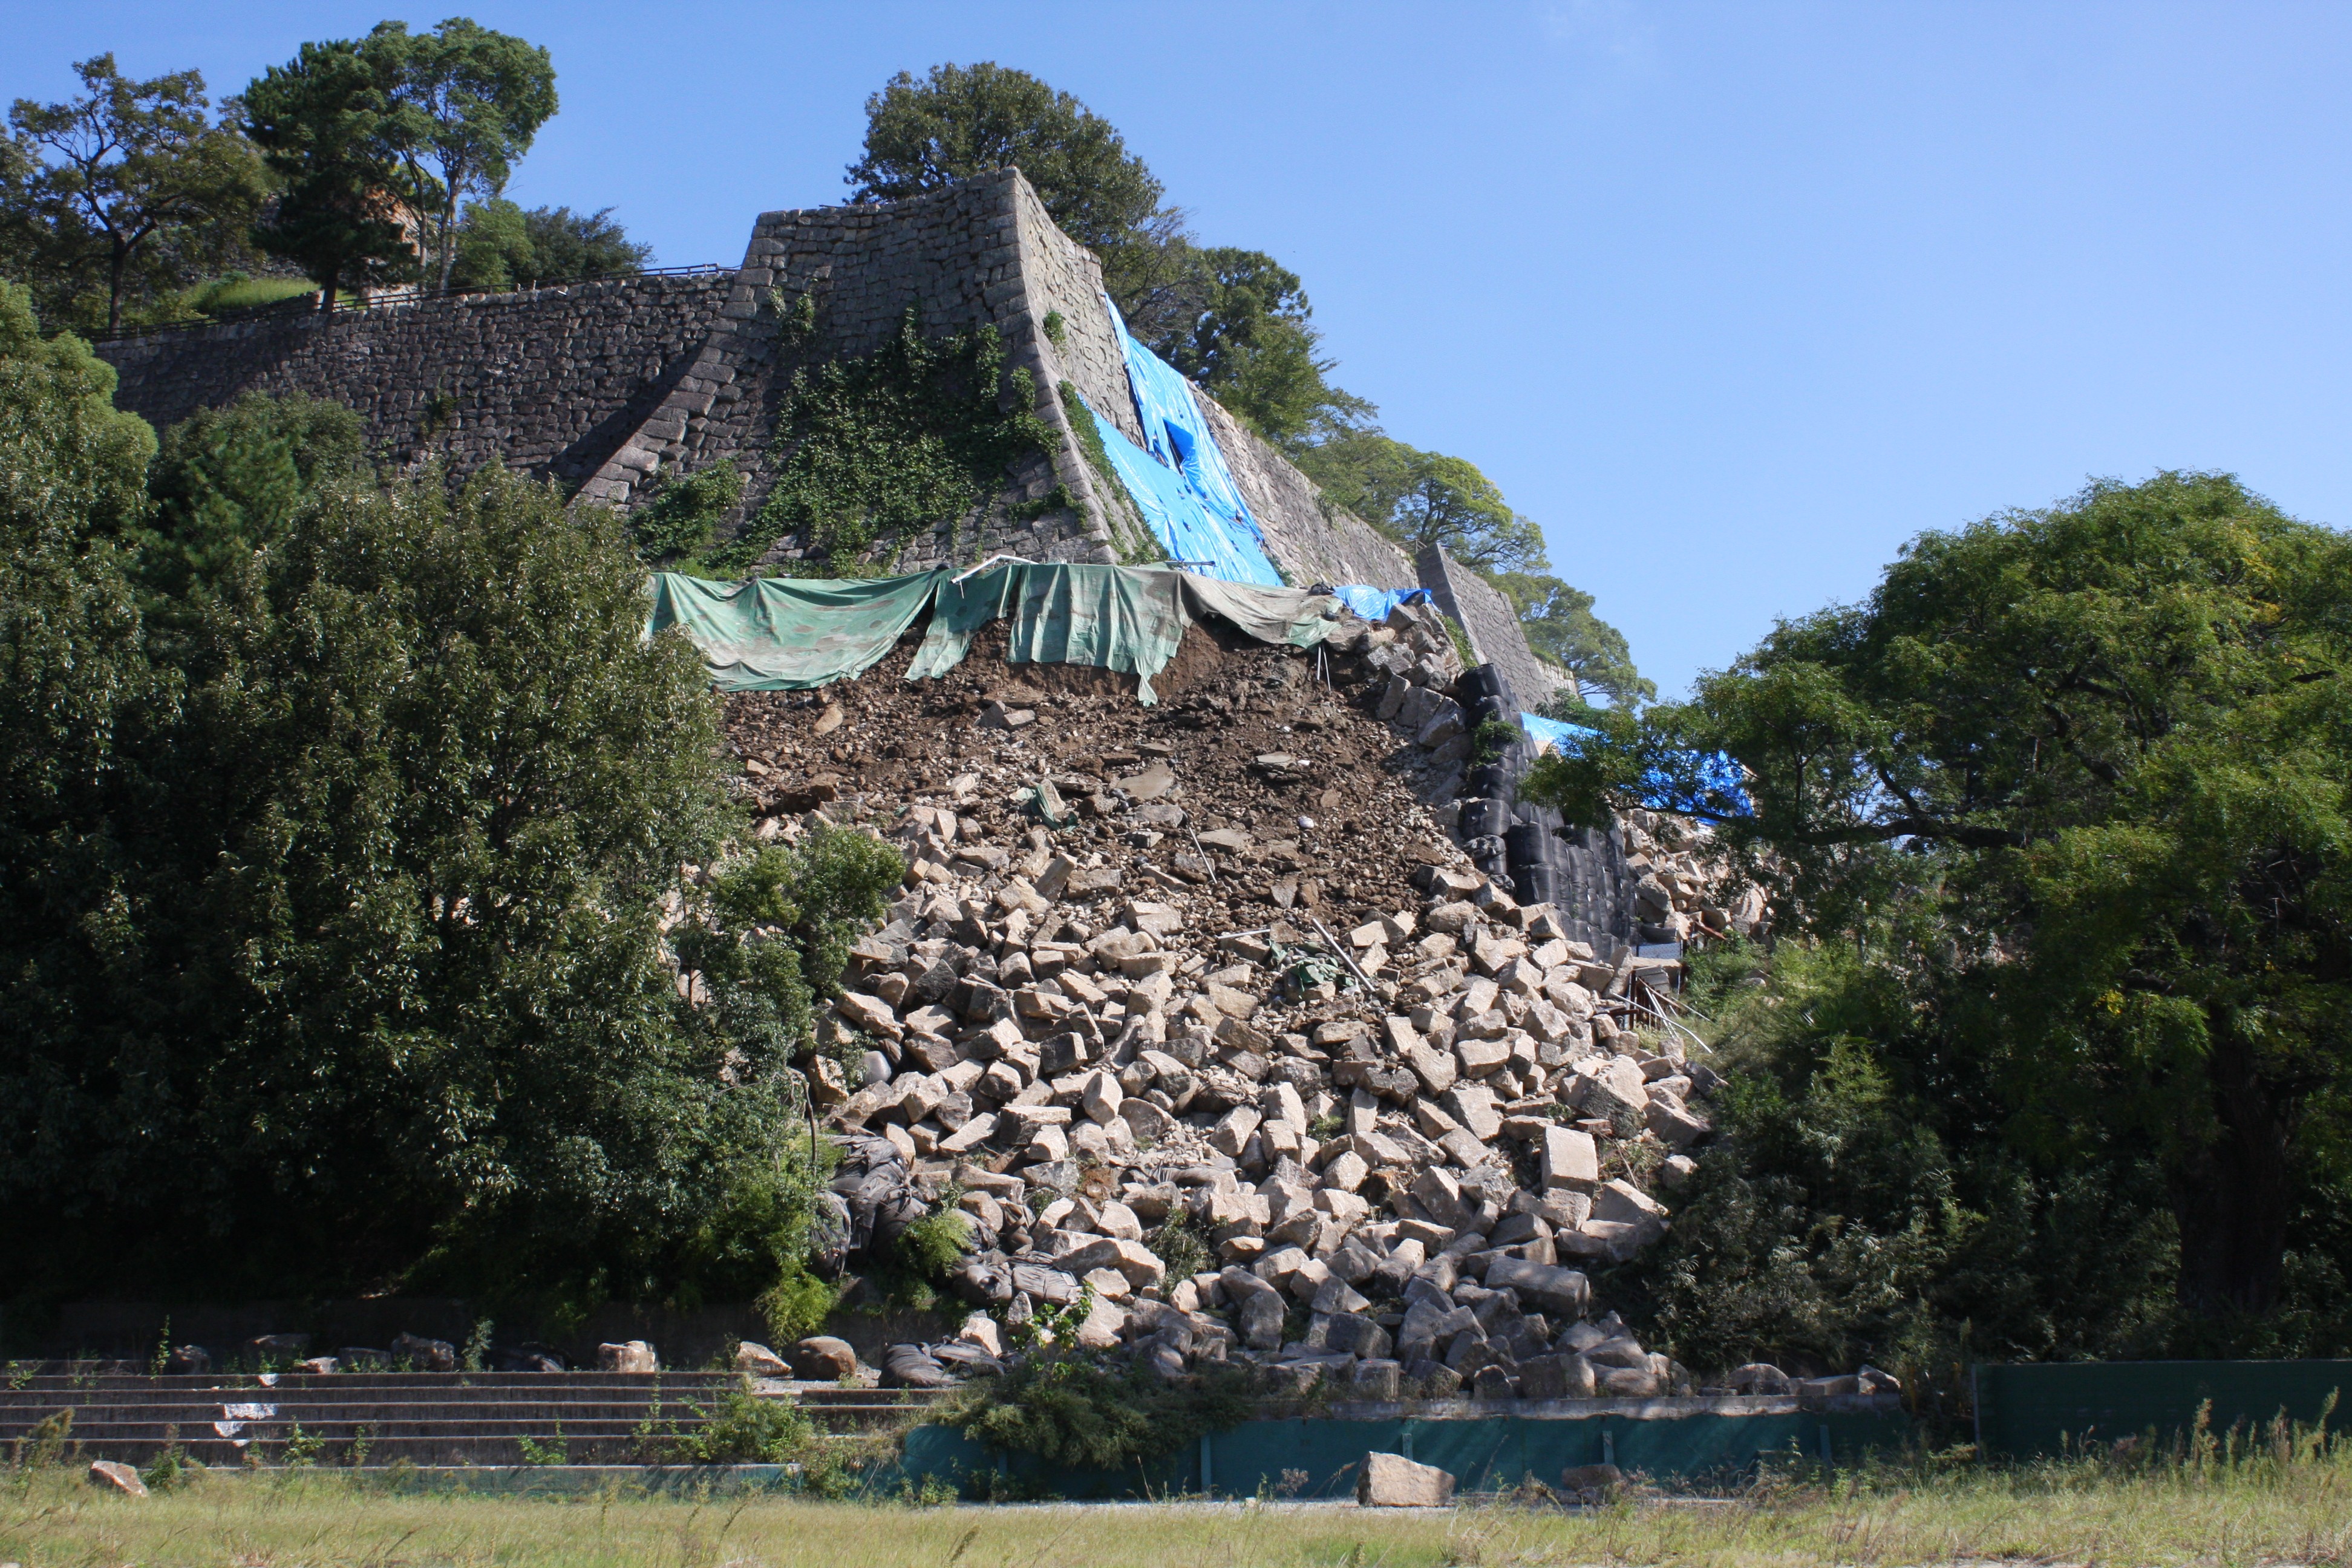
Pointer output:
x,y
617,387
1494,626
550,381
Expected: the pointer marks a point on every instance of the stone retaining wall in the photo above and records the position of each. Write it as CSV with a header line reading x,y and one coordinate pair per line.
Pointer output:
x,y
549,381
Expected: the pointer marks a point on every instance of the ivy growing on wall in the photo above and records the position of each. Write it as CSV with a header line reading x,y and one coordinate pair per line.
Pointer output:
x,y
872,450
1135,545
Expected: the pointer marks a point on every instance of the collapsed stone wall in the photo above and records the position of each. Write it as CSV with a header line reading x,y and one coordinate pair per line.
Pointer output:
x,y
614,387
1199,1022
1492,623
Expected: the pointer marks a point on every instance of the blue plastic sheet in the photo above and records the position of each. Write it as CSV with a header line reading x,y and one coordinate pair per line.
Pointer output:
x,y
1719,778
1548,734
1374,604
1179,520
1177,433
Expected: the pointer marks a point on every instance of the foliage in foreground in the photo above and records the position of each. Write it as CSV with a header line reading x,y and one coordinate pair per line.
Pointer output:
x,y
1069,1406
2242,1501
341,837
2072,785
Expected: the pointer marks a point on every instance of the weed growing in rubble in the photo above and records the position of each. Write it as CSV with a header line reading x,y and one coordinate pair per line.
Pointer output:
x,y
1180,1244
1491,739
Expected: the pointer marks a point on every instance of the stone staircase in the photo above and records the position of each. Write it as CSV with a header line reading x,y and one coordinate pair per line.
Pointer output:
x,y
376,1419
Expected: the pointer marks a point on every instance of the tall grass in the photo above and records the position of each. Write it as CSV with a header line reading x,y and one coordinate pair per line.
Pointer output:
x,y
2279,1493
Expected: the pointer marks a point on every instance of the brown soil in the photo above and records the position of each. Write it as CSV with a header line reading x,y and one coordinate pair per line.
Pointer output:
x,y
1223,702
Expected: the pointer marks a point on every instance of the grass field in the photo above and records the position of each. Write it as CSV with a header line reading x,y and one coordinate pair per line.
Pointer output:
x,y
2258,1511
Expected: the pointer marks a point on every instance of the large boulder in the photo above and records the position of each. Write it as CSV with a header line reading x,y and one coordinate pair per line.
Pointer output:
x,y
1557,1376
115,1477
1564,1293
1392,1480
426,1355
635,1355
821,1358
1137,1262
912,1366
759,1361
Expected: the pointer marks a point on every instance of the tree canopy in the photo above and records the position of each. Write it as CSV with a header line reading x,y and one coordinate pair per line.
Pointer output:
x,y
466,103
118,197
342,911
1420,498
501,246
2082,772
960,120
1560,627
326,123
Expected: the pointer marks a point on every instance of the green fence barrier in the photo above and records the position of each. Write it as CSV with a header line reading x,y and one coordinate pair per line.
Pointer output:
x,y
2036,1411
1315,1457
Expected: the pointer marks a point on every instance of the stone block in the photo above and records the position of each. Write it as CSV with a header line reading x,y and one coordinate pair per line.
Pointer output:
x,y
1392,1480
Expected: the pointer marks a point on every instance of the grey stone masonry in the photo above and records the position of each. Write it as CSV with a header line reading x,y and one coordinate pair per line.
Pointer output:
x,y
1310,539
550,381
1494,626
614,388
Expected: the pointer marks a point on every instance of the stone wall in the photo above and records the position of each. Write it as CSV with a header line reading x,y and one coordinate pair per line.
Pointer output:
x,y
550,381
1493,624
958,258
615,387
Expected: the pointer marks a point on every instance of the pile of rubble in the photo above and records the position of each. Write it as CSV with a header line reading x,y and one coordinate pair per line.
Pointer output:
x,y
1199,1016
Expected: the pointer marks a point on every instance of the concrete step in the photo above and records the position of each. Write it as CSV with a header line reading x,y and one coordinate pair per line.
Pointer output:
x,y
290,1379
419,1418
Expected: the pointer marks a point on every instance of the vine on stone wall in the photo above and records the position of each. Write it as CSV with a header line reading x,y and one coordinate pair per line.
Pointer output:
x,y
870,450
1135,545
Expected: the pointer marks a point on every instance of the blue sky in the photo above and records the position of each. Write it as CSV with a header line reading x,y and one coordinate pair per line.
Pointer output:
x,y
1733,298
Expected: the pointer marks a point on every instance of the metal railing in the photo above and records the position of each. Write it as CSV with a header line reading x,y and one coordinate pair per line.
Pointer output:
x,y
303,306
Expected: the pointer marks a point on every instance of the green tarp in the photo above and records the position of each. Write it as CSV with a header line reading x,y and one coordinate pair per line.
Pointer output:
x,y
1484,1453
787,634
2047,1408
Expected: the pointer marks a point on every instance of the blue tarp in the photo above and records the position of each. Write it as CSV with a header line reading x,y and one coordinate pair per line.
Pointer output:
x,y
1177,433
1718,775
1179,520
1548,734
1374,604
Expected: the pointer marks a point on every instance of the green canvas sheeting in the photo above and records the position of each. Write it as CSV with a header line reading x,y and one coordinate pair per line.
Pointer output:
x,y
2047,1408
787,634
1484,1453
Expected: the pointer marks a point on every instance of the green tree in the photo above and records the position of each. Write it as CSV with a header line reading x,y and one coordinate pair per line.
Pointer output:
x,y
1561,628
390,997
327,127
1424,498
229,480
130,188
2086,770
1238,323
962,120
74,687
501,246
465,104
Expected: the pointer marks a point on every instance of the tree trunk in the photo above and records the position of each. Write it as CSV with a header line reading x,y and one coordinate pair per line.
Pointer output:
x,y
326,289
448,234
2233,1196
114,287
